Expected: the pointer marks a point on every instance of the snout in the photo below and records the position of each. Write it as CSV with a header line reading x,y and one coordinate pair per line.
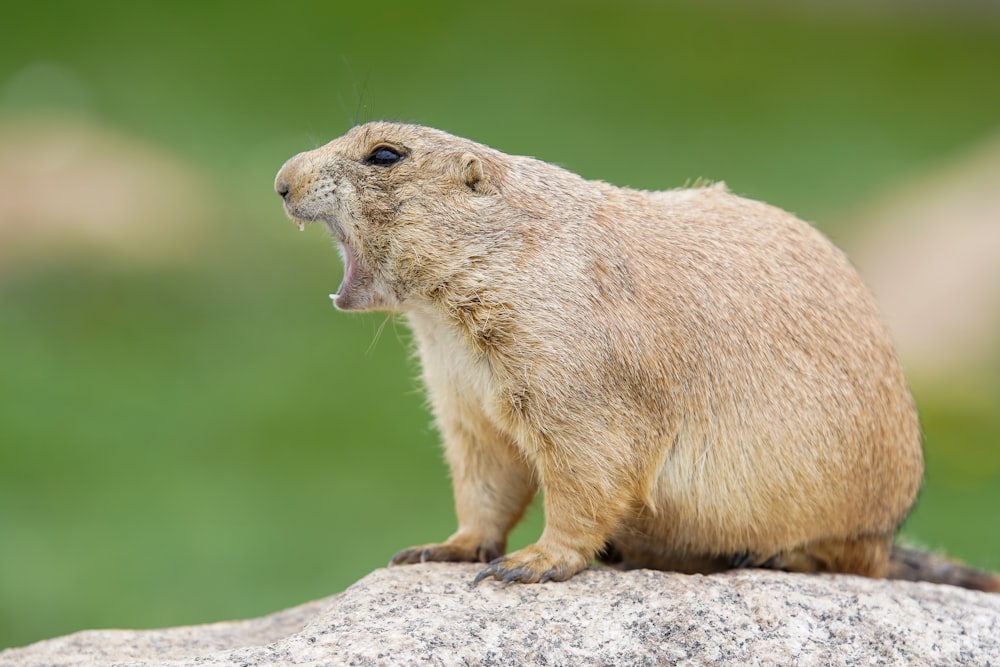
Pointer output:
x,y
291,183
286,175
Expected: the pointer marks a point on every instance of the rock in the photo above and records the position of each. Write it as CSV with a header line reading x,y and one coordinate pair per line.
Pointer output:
x,y
430,614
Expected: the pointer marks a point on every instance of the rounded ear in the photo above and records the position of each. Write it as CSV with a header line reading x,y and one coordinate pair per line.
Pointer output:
x,y
474,175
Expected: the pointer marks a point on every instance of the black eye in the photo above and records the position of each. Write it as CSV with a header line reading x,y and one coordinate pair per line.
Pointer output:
x,y
384,157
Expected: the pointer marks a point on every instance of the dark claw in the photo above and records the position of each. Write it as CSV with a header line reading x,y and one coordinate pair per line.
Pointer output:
x,y
487,572
497,571
521,574
749,560
610,554
402,558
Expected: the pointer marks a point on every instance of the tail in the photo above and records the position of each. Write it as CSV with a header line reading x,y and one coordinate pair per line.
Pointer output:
x,y
918,565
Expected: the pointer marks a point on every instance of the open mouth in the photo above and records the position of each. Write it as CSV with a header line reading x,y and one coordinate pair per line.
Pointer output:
x,y
351,293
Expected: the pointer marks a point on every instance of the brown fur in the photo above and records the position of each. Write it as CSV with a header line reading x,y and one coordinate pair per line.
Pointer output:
x,y
696,380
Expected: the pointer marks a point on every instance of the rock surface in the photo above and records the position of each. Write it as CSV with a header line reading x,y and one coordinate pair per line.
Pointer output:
x,y
429,614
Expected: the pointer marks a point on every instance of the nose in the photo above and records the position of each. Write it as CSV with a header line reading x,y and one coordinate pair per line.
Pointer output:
x,y
281,186
285,177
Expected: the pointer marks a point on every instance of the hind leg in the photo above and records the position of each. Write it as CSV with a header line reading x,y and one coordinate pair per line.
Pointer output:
x,y
867,555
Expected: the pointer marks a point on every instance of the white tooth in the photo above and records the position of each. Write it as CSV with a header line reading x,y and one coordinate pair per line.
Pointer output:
x,y
302,225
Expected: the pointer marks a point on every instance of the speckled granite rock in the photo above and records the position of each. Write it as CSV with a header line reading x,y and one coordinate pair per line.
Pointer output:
x,y
429,614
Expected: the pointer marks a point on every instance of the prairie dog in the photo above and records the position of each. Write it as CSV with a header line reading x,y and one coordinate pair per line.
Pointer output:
x,y
696,380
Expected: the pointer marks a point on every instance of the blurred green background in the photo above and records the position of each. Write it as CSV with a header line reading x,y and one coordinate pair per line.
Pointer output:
x,y
189,432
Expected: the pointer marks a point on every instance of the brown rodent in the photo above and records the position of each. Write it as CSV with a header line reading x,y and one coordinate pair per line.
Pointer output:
x,y
697,381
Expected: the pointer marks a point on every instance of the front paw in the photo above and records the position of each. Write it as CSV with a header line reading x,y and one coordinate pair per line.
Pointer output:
x,y
534,564
453,551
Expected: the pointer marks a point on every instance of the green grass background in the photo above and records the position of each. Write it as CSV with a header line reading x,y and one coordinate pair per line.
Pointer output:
x,y
208,439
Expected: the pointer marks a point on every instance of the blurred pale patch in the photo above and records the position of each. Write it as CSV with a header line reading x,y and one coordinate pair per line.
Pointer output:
x,y
69,185
930,250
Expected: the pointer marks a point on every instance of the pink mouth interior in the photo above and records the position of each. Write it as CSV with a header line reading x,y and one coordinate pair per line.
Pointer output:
x,y
350,270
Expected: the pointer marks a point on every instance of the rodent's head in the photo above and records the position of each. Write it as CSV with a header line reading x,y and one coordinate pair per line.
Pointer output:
x,y
409,205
